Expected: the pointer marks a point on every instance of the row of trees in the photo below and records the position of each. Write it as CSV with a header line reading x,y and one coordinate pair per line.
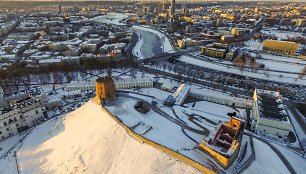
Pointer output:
x,y
57,73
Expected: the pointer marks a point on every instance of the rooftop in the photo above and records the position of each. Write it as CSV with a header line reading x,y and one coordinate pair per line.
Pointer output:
x,y
271,105
105,79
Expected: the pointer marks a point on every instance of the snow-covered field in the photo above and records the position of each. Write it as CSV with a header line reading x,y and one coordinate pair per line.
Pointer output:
x,y
266,161
112,18
281,34
281,66
283,58
253,45
215,109
88,141
296,161
261,74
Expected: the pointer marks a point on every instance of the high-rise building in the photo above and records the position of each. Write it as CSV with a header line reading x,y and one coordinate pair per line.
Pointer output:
x,y
146,10
256,9
184,9
164,6
219,22
172,8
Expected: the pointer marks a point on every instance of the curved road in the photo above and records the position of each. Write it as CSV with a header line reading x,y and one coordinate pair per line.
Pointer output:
x,y
165,115
276,151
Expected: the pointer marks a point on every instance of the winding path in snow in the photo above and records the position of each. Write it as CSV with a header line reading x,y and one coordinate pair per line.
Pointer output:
x,y
276,151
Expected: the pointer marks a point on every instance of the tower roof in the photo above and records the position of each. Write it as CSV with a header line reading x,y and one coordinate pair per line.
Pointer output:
x,y
105,79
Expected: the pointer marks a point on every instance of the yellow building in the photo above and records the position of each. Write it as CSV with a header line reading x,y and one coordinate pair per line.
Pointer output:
x,y
227,16
216,50
284,47
187,19
105,88
238,31
224,144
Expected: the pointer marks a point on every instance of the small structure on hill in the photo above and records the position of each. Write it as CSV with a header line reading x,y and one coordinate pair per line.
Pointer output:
x,y
224,144
105,89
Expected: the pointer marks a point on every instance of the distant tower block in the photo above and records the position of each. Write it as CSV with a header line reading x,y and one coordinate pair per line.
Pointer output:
x,y
109,72
184,10
256,9
105,89
172,8
163,6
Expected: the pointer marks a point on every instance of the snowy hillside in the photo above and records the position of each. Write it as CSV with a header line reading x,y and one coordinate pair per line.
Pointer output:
x,y
89,141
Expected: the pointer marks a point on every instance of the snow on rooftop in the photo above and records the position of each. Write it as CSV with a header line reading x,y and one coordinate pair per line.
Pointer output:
x,y
181,93
133,80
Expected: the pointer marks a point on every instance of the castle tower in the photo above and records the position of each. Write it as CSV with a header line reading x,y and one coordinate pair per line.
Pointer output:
x,y
105,89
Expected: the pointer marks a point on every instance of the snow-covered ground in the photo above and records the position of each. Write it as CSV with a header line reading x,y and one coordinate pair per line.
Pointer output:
x,y
214,109
88,141
281,34
112,18
282,58
296,161
253,45
6,145
281,66
261,74
266,161
162,130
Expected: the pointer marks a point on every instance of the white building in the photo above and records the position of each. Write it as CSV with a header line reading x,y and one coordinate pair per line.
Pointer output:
x,y
122,83
20,116
72,95
220,98
269,115
167,87
181,93
81,86
126,83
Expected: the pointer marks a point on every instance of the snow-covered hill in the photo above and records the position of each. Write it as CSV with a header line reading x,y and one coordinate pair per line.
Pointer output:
x,y
89,141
